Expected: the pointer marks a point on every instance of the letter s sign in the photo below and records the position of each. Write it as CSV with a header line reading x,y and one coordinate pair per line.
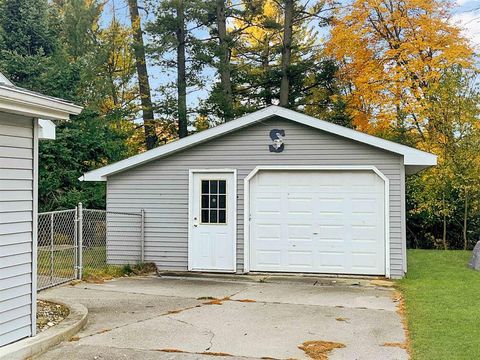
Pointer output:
x,y
277,136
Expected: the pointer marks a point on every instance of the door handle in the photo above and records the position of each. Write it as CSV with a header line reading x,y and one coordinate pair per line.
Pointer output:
x,y
195,222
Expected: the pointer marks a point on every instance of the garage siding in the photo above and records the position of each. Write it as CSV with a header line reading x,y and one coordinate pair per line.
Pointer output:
x,y
161,186
16,209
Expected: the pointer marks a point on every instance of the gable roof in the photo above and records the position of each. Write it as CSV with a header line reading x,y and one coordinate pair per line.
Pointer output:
x,y
17,100
415,160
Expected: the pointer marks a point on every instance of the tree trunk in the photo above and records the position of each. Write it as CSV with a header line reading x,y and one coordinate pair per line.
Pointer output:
x,y
268,98
465,215
142,73
181,72
286,52
224,65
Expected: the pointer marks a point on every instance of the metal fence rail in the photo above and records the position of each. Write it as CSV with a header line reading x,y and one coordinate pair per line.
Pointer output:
x,y
70,241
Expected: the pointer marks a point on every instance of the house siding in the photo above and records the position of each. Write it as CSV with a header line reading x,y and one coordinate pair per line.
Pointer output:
x,y
160,187
16,225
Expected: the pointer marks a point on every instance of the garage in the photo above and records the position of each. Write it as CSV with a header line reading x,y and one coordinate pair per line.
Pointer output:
x,y
318,221
273,191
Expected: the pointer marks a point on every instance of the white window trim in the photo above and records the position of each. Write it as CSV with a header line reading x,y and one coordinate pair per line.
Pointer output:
x,y
246,199
191,199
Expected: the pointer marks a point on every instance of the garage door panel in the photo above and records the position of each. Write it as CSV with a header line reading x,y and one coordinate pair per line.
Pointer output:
x,y
300,259
269,259
299,232
364,232
299,206
325,222
267,232
331,261
330,232
269,206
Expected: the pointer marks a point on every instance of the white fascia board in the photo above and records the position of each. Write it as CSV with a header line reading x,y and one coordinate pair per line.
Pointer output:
x,y
22,102
411,156
46,130
136,160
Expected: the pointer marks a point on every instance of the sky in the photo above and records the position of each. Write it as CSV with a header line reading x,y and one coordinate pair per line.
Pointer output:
x,y
466,15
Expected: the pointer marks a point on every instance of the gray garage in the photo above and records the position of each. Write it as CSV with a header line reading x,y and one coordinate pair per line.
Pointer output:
x,y
273,191
24,120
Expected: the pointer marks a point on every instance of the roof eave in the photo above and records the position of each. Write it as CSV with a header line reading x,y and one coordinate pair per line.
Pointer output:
x,y
412,157
16,101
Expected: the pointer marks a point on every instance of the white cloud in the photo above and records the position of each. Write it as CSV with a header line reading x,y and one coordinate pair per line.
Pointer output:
x,y
470,23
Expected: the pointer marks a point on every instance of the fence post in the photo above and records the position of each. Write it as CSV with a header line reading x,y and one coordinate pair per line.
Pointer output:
x,y
75,240
142,239
51,249
80,240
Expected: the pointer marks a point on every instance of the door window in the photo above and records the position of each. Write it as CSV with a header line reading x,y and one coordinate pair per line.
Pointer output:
x,y
214,201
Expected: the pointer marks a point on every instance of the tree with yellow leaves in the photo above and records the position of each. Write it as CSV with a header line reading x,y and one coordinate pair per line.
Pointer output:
x,y
390,53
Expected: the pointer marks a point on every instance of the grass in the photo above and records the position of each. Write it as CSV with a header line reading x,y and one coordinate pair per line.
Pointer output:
x,y
442,299
107,272
64,260
94,264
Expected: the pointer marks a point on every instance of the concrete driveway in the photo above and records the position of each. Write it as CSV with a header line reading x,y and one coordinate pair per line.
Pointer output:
x,y
175,318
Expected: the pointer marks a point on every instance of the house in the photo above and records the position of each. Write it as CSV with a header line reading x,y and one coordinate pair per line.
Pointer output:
x,y
273,191
25,118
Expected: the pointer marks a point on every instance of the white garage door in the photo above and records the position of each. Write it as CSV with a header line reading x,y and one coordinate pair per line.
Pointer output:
x,y
317,221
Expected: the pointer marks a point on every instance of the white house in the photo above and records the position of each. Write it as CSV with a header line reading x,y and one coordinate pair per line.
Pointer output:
x,y
25,118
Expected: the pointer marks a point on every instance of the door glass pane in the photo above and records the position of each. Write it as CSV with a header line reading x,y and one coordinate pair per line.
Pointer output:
x,y
221,217
204,216
214,202
213,216
204,186
204,201
222,202
213,187
222,187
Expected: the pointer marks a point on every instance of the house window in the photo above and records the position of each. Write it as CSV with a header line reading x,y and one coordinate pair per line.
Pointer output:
x,y
214,201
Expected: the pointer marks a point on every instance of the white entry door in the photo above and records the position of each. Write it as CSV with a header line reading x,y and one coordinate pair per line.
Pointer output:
x,y
212,243
317,221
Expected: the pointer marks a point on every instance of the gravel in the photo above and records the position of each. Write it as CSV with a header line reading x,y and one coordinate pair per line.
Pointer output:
x,y
49,314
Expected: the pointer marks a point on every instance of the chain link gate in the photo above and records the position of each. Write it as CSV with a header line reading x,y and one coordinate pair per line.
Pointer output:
x,y
57,249
71,240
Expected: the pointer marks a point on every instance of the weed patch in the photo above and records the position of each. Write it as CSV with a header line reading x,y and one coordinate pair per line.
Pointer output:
x,y
171,350
215,353
108,272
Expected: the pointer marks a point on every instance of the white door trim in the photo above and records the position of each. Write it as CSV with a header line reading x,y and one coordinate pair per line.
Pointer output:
x,y
191,173
246,227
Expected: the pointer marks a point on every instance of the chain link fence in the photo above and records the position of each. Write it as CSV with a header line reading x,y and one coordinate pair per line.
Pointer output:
x,y
57,248
70,241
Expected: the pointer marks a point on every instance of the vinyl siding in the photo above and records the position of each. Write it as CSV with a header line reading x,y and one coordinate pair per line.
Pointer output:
x,y
16,214
161,186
